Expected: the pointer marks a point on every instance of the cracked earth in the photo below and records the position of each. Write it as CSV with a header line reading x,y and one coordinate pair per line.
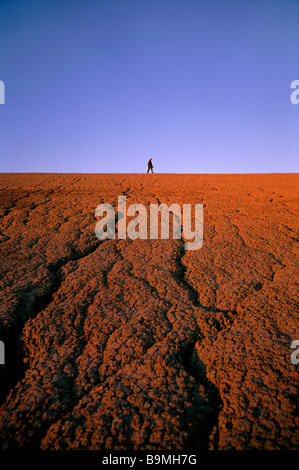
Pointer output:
x,y
139,344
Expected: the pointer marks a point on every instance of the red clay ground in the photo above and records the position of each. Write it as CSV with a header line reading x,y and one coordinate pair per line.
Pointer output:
x,y
138,344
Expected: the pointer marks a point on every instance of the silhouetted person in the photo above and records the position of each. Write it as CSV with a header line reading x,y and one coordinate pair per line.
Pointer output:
x,y
150,166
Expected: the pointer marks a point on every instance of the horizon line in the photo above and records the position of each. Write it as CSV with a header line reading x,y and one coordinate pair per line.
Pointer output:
x,y
143,173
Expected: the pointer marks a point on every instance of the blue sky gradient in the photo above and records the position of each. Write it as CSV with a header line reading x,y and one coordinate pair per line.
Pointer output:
x,y
100,86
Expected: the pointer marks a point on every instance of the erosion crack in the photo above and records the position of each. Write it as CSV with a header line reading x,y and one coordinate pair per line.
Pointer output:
x,y
14,370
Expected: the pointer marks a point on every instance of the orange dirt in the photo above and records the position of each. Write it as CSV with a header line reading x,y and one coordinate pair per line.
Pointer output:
x,y
138,344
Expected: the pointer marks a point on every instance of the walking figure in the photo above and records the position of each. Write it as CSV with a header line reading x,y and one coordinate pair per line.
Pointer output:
x,y
150,166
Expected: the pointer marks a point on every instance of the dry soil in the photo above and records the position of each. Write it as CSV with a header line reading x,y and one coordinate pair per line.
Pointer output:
x,y
140,344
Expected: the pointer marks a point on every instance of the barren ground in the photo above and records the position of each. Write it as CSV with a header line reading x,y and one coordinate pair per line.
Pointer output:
x,y
139,344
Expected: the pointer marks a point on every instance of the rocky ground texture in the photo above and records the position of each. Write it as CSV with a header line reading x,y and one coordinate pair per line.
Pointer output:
x,y
139,344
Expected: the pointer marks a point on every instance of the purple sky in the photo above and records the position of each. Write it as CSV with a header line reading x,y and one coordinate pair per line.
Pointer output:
x,y
201,86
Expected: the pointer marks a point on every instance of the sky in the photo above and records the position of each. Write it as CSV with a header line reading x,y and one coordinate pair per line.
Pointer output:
x,y
100,86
